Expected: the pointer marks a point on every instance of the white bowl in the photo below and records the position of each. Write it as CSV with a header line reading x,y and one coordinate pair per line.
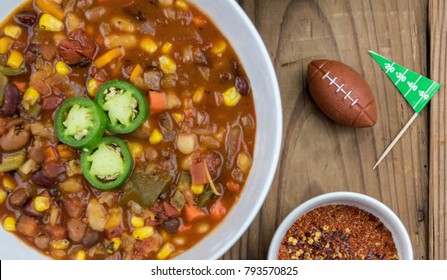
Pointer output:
x,y
367,203
244,38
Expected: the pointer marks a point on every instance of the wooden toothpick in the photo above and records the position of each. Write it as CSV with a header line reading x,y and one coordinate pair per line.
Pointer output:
x,y
402,131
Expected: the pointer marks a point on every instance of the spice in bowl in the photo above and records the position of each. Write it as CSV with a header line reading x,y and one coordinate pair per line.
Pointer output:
x,y
338,232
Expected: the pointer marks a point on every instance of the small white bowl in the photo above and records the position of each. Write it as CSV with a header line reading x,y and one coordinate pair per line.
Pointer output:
x,y
364,202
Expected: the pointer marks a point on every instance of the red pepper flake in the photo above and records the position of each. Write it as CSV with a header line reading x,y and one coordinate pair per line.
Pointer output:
x,y
338,232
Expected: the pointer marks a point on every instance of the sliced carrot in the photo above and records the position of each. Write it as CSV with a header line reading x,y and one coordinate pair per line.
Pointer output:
x,y
192,213
21,86
50,154
218,210
158,101
136,72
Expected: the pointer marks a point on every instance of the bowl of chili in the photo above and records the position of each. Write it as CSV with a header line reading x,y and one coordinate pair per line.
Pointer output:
x,y
177,74
341,225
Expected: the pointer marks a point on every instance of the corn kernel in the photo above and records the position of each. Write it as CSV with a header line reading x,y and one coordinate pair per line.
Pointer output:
x,y
143,233
198,95
41,203
15,59
60,244
178,117
9,183
136,222
231,97
166,48
5,44
30,97
136,149
3,196
219,47
12,31
165,251
80,255
167,65
156,136
148,45
114,219
50,23
197,189
62,68
182,5
9,223
92,87
114,245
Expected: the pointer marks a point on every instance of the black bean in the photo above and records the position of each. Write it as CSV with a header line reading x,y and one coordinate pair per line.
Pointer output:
x,y
90,238
41,178
172,225
242,85
12,100
26,18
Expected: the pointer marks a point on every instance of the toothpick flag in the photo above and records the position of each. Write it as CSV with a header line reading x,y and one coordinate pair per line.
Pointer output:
x,y
417,90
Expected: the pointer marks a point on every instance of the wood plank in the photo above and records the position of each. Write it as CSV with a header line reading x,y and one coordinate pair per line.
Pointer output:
x,y
320,156
438,132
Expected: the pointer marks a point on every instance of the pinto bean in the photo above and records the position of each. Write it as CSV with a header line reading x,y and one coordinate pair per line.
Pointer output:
x,y
17,136
12,100
42,242
76,230
20,196
27,226
56,232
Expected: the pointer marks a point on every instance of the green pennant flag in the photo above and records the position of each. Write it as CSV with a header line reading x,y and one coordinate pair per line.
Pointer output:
x,y
417,89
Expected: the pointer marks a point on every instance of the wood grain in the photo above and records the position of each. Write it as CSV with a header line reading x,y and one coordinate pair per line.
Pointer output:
x,y
320,156
438,132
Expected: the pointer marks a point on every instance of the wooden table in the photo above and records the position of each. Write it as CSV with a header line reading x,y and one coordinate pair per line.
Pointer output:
x,y
319,156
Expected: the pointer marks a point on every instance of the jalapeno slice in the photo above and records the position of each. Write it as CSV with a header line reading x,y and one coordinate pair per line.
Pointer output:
x,y
108,164
79,122
126,107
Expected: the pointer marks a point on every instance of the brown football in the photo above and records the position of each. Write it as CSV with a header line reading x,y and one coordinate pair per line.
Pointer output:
x,y
341,93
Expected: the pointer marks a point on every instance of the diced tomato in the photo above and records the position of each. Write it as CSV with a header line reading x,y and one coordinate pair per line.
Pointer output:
x,y
198,173
218,210
51,102
170,210
232,186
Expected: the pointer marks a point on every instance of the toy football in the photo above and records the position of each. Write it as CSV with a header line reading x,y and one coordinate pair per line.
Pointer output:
x,y
341,93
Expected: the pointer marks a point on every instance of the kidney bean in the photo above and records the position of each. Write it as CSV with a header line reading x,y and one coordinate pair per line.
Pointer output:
x,y
12,100
242,85
26,18
41,178
29,209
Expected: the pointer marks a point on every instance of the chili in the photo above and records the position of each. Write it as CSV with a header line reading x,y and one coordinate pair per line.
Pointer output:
x,y
108,164
125,105
79,122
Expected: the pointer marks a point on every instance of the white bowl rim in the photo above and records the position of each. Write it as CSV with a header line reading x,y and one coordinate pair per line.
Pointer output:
x,y
362,201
